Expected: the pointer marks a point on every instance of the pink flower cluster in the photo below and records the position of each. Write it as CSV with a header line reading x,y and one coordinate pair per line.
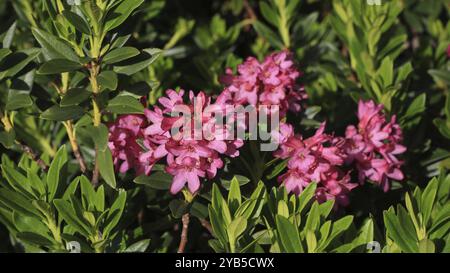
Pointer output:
x,y
316,159
374,145
139,142
271,82
123,142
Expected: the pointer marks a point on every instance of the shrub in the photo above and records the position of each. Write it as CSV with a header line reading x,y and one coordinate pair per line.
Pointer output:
x,y
319,126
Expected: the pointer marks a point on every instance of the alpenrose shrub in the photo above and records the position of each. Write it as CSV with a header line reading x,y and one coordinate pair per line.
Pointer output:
x,y
187,159
335,137
370,149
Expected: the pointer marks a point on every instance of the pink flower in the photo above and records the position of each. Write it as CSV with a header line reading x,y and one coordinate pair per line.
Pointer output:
x,y
271,82
317,159
374,144
172,98
185,171
140,141
123,135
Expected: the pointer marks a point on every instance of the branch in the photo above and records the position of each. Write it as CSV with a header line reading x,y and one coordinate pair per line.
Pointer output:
x,y
95,173
74,145
250,12
32,155
206,225
184,233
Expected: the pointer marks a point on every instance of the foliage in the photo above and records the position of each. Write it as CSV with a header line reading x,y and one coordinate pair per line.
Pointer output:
x,y
69,69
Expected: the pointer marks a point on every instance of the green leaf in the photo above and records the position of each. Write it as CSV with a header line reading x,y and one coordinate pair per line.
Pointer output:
x,y
178,208
17,202
139,62
7,138
440,75
115,212
36,182
241,179
54,172
218,226
416,108
234,196
99,135
99,200
337,229
311,241
157,180
35,239
124,104
16,179
106,167
199,210
412,208
251,208
396,232
367,232
289,236
269,13
108,79
59,113
408,229
277,169
138,247
9,35
53,47
117,15
403,72
18,100
25,223
313,220
120,54
234,230
267,33
426,246
75,96
88,195
386,71
325,208
4,52
220,205
428,200
443,126
69,215
77,21
306,196
57,66
283,209
15,62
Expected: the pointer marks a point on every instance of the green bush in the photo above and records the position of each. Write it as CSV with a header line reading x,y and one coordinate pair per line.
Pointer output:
x,y
72,72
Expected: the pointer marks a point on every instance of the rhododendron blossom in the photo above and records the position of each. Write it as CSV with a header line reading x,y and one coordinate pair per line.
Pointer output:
x,y
139,141
314,160
374,145
272,82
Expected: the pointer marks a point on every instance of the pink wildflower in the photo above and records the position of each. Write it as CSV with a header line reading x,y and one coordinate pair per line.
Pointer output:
x,y
271,82
314,160
374,145
188,158
123,141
